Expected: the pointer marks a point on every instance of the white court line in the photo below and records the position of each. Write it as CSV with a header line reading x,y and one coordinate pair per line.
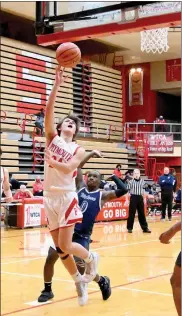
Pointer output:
x,y
24,260
36,303
101,248
38,276
123,245
150,292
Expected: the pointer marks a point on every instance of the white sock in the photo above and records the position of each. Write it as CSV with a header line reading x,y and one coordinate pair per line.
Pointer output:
x,y
77,277
89,258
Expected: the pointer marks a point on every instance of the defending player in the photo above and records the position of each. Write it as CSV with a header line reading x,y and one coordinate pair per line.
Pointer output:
x,y
91,200
176,276
62,157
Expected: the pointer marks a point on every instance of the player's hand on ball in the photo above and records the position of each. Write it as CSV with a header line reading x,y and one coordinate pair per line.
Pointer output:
x,y
164,238
97,154
60,78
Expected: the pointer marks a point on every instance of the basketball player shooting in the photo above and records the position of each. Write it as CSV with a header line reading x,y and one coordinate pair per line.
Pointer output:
x,y
91,200
62,157
5,185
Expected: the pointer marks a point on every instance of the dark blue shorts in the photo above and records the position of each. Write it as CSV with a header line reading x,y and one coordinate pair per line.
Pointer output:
x,y
82,240
85,242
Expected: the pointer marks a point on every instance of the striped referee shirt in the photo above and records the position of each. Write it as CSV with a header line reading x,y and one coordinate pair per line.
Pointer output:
x,y
136,187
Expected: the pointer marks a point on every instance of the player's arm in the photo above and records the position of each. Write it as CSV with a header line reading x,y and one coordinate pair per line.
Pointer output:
x,y
68,167
49,112
167,235
113,194
92,154
79,179
6,187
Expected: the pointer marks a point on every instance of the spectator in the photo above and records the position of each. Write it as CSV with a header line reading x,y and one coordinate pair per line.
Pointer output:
x,y
39,122
160,127
128,176
166,183
178,196
15,184
156,193
148,188
23,193
117,171
38,187
176,182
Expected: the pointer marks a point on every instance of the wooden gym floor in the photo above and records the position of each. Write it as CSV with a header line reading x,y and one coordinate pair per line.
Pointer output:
x,y
138,265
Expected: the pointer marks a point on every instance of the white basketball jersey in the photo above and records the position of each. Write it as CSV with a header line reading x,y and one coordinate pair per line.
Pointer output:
x,y
56,180
2,179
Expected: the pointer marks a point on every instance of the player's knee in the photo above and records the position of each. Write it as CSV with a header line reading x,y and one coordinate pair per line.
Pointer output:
x,y
65,247
50,260
60,251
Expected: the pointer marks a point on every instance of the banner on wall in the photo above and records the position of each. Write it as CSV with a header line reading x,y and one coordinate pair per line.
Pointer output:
x,y
173,70
32,215
161,143
136,87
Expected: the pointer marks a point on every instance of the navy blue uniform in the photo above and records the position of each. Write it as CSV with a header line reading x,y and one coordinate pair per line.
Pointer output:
x,y
167,183
90,204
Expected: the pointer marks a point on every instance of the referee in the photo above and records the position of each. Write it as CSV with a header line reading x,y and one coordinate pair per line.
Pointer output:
x,y
136,190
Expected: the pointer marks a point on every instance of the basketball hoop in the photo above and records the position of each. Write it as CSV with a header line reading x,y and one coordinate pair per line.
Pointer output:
x,y
155,41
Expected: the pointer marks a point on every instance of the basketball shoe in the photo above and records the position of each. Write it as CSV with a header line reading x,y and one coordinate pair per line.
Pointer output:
x,y
91,268
82,292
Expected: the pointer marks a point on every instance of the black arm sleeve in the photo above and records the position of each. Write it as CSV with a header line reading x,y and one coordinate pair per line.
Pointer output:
x,y
119,183
121,187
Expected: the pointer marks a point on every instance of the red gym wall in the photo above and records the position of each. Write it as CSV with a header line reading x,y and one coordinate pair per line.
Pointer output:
x,y
169,161
146,111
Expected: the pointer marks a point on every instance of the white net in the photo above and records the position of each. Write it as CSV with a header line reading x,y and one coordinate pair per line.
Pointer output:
x,y
155,41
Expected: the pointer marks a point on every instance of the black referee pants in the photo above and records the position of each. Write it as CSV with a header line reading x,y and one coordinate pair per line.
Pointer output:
x,y
167,199
136,203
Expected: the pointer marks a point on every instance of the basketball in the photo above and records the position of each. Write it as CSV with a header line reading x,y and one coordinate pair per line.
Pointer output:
x,y
68,55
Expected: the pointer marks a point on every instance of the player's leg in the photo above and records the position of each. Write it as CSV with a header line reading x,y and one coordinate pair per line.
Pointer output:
x,y
54,222
67,219
102,281
69,247
176,284
51,259
132,211
69,262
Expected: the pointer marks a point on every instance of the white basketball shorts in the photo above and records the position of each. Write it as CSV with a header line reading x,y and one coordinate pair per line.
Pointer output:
x,y
61,209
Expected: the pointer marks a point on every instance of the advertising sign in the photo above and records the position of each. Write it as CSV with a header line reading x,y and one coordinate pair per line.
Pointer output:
x,y
161,143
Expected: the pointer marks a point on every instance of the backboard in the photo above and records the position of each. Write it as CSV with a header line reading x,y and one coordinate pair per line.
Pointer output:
x,y
57,22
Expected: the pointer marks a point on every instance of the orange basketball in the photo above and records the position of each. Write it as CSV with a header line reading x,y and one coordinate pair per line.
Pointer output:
x,y
68,55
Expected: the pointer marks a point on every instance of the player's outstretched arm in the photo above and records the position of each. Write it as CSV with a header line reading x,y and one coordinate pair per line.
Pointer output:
x,y
92,154
49,113
6,187
79,179
68,167
167,235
